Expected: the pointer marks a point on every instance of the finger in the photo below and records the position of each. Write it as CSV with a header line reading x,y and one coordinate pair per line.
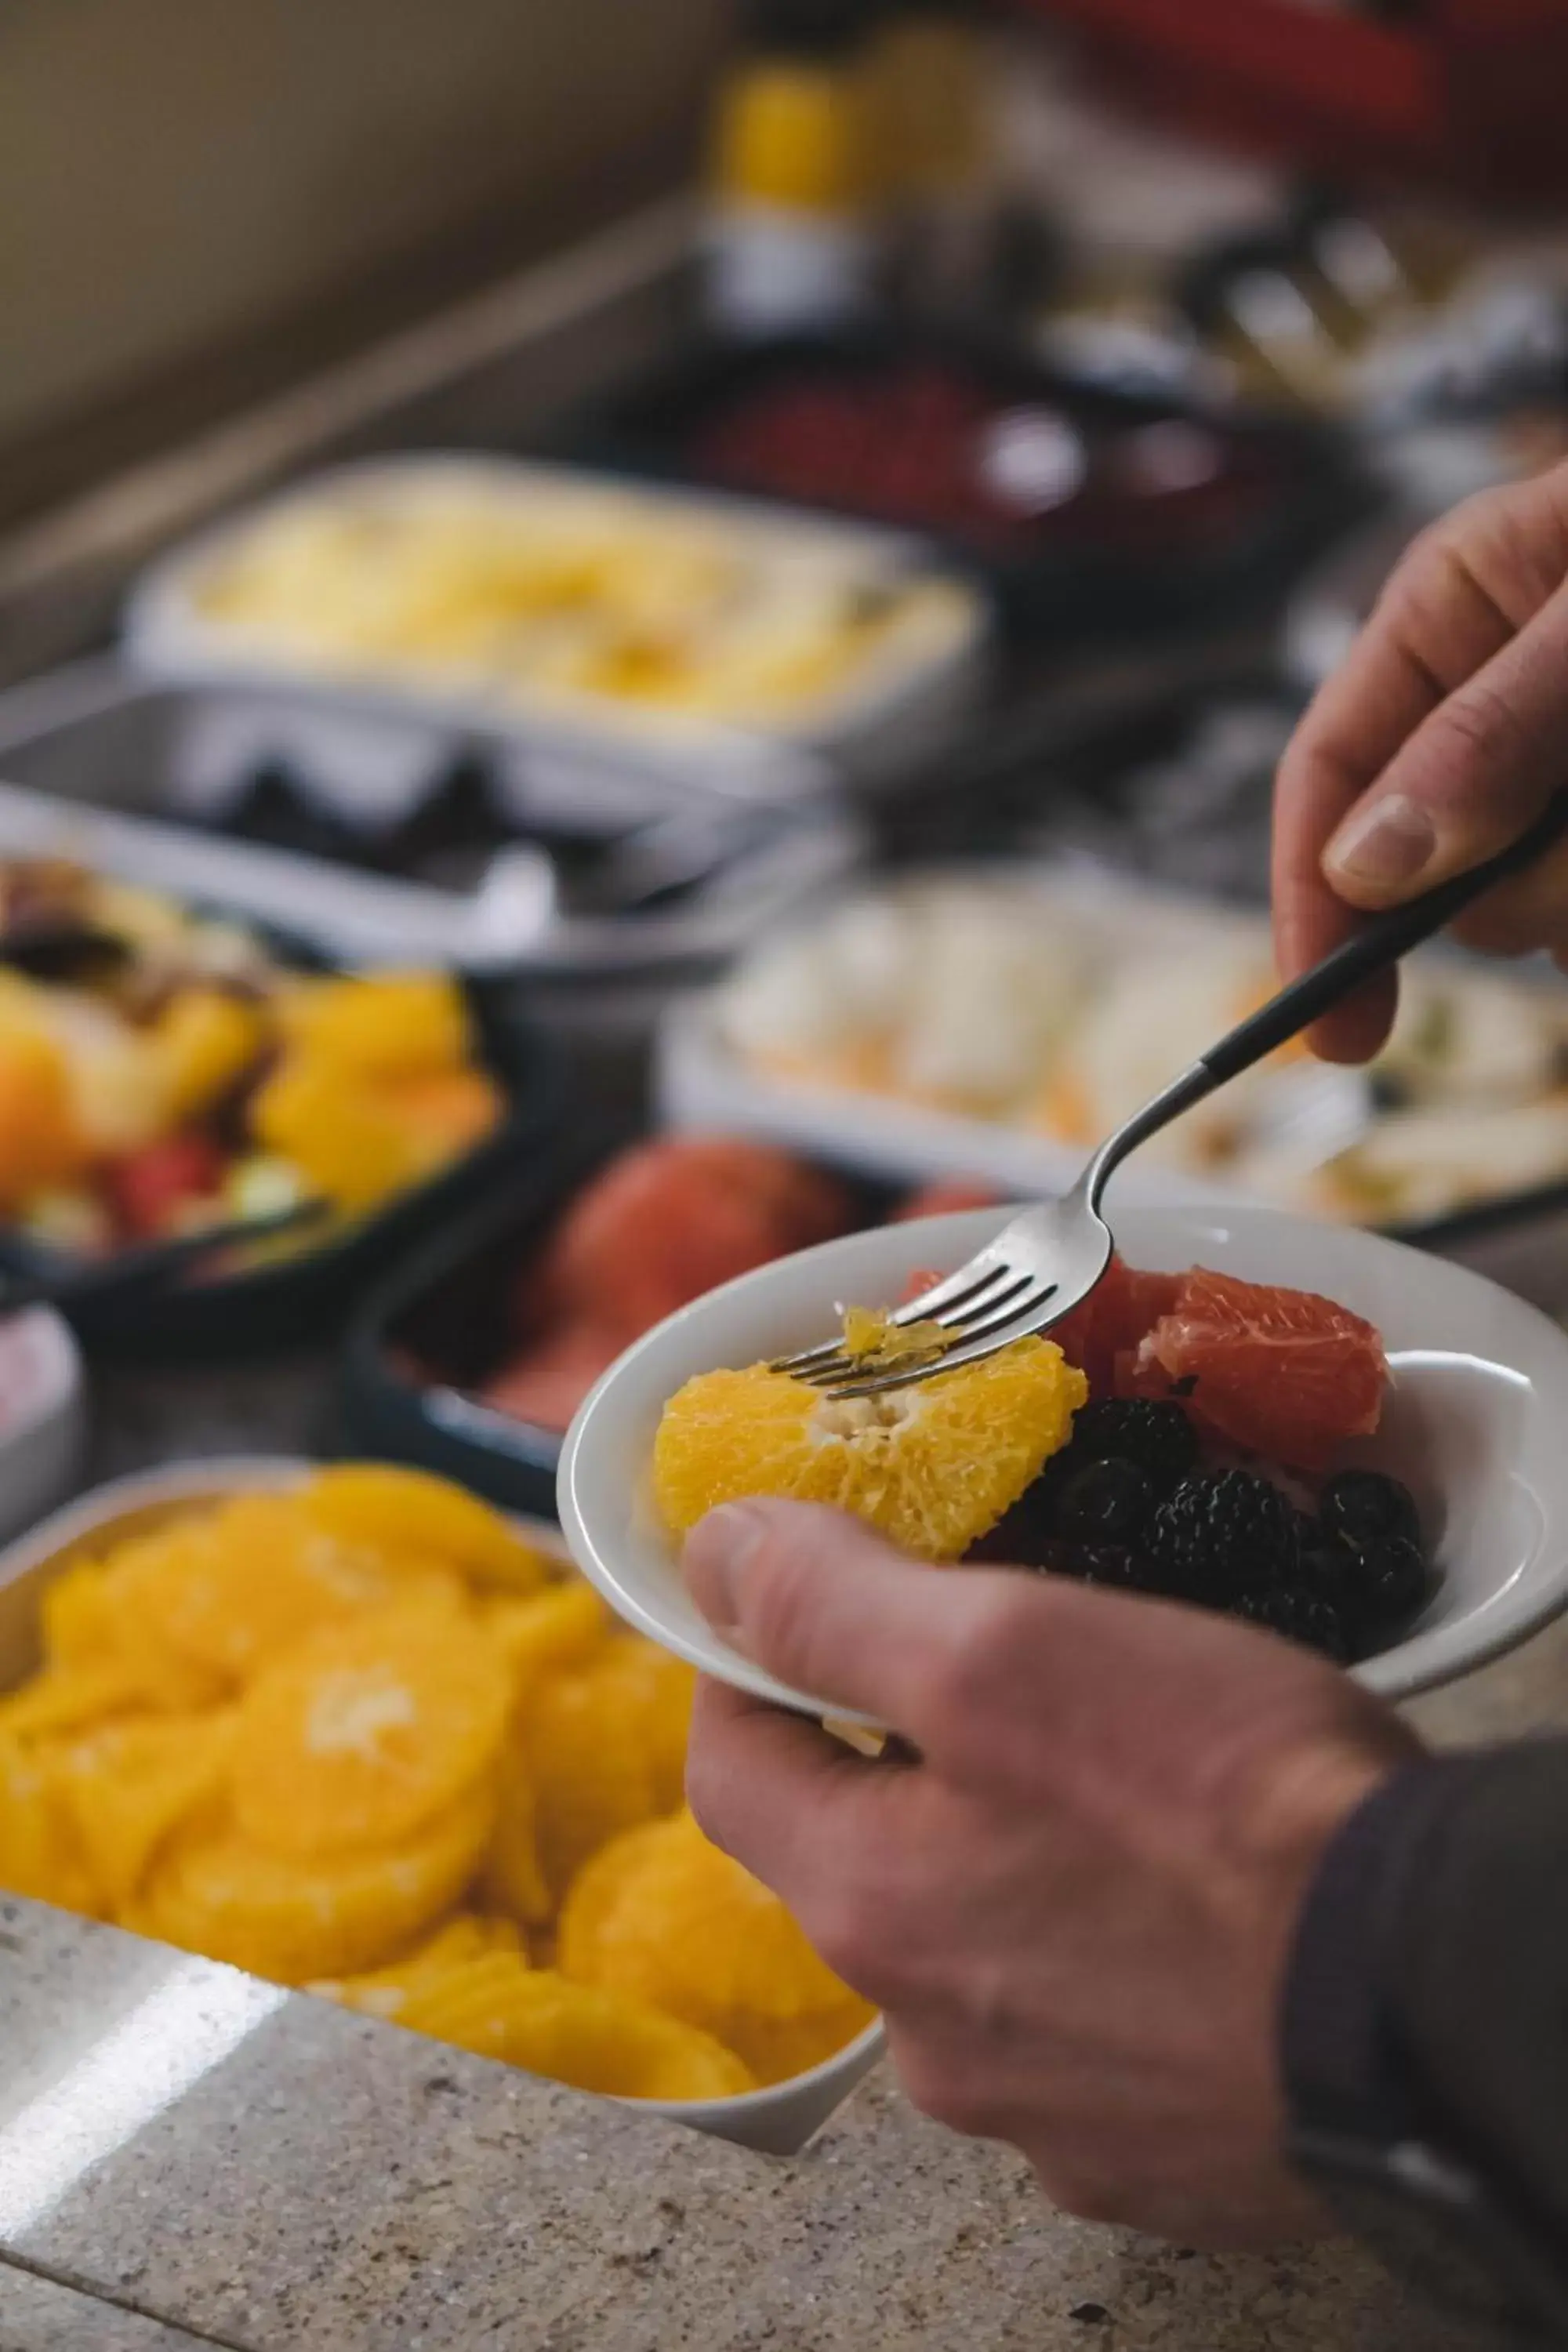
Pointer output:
x,y
821,1602
1470,779
788,1801
1450,607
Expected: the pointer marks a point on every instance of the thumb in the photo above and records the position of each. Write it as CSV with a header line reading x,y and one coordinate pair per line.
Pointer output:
x,y
1469,780
818,1599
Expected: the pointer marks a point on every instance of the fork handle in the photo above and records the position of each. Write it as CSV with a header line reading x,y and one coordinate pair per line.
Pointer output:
x,y
1380,942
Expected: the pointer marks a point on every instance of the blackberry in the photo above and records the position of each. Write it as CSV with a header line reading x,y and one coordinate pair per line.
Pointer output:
x,y
1159,1439
1362,1507
1221,1534
1391,1583
1329,1573
1111,1565
1103,1503
1299,1616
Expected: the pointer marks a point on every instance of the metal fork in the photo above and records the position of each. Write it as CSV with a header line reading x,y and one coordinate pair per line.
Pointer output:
x,y
1048,1260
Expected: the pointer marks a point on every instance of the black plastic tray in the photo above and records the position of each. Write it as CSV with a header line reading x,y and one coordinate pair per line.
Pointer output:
x,y
306,1297
450,1303
1073,583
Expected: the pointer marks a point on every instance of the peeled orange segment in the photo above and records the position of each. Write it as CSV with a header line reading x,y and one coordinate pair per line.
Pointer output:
x,y
934,1467
549,1632
605,1749
367,1731
408,1510
220,1895
231,1590
131,1786
663,1917
513,1877
384,1992
1278,1373
592,2040
76,1616
39,1855
63,1698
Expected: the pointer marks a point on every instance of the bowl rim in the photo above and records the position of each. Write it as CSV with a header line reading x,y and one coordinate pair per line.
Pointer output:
x,y
1421,1661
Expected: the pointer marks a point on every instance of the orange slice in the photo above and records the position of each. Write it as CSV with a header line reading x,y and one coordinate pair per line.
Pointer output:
x,y
594,2040
220,1895
365,1731
410,1511
605,1749
662,1917
131,1786
934,1467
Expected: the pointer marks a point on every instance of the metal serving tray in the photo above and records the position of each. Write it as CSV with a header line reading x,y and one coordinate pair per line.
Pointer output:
x,y
109,769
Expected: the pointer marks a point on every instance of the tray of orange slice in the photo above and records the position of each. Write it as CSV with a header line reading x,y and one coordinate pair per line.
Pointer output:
x,y
353,1731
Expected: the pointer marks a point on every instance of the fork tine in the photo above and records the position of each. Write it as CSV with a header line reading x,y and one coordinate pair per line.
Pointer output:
x,y
991,1302
989,1339
961,1289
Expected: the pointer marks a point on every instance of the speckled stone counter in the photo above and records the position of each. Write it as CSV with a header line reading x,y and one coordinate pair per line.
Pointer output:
x,y
188,2156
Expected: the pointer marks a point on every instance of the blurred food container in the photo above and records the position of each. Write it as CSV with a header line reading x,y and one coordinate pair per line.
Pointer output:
x,y
999,1022
43,1415
165,1073
379,837
1080,506
70,1838
701,644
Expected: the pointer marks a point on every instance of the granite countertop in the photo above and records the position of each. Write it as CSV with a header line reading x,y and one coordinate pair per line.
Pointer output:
x,y
190,2157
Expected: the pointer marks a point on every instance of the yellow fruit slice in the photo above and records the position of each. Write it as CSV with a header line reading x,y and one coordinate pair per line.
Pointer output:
x,y
392,1026
219,1894
594,2040
77,1618
384,1992
662,1917
934,1467
547,1633
365,1731
131,1786
205,1040
39,1856
65,1698
605,1749
409,1510
512,1878
229,1590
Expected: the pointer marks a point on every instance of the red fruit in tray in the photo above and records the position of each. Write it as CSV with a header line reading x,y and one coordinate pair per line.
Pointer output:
x,y
548,1381
672,1219
946,1195
1121,1309
149,1189
1278,1373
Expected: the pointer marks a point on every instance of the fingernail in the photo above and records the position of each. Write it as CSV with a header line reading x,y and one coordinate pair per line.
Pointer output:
x,y
1383,845
718,1554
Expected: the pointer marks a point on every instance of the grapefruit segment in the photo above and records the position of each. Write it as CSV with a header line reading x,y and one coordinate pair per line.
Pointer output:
x,y
1274,1371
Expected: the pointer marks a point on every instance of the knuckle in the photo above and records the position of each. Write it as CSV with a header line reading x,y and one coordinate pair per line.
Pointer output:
x,y
945,2093
846,1934
1475,727
1087,2195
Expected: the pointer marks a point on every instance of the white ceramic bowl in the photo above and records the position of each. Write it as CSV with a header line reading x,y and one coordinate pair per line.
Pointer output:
x,y
43,1415
1475,1422
778,2120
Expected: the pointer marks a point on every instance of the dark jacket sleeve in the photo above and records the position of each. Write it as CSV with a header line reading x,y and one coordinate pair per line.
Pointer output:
x,y
1428,1989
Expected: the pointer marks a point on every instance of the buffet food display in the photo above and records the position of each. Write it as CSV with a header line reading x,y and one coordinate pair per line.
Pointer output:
x,y
628,617
160,1070
999,1021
